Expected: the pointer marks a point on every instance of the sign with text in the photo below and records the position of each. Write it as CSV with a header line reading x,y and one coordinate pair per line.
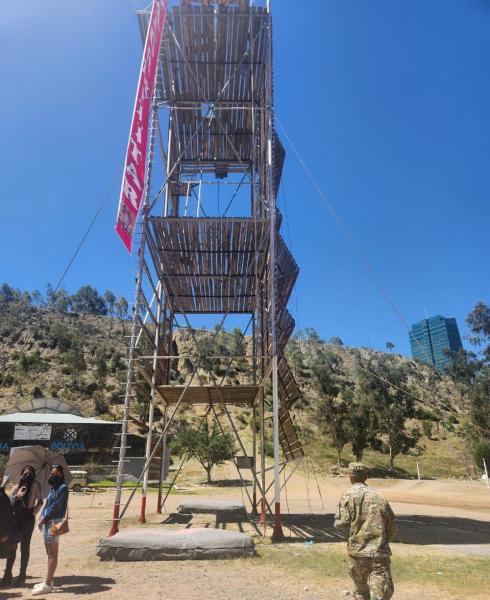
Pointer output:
x,y
32,432
133,182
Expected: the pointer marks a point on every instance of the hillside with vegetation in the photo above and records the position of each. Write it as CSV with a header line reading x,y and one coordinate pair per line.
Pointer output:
x,y
381,407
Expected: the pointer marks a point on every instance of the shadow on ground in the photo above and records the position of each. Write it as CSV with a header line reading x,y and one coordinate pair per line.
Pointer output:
x,y
416,529
412,529
84,585
177,519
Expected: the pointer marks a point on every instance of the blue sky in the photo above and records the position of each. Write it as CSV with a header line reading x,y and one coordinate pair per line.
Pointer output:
x,y
387,102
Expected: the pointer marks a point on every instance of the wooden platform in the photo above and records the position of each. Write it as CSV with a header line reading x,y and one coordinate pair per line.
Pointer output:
x,y
212,68
213,44
210,265
204,60
238,395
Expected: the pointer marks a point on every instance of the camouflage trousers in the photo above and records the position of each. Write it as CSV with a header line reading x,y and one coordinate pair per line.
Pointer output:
x,y
372,577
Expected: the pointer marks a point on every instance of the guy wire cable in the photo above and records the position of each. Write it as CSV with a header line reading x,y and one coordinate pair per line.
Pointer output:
x,y
347,234
71,260
307,457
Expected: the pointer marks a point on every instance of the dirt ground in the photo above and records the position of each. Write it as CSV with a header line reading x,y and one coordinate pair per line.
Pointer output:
x,y
435,518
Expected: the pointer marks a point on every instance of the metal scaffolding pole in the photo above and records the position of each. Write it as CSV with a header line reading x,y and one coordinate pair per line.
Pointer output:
x,y
149,438
162,464
158,293
129,380
271,202
262,454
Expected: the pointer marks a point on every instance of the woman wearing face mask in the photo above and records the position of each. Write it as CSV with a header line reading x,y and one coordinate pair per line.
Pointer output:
x,y
26,500
53,512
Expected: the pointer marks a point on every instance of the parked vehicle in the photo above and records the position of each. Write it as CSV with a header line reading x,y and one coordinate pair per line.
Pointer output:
x,y
79,481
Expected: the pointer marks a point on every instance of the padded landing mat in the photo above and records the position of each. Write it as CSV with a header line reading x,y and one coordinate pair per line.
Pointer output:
x,y
177,544
211,507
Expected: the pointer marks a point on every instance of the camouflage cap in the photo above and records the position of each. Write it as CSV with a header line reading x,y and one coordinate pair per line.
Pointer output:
x,y
357,467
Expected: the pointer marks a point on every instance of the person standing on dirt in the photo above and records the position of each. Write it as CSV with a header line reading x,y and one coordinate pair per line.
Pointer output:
x,y
371,524
26,501
7,522
53,512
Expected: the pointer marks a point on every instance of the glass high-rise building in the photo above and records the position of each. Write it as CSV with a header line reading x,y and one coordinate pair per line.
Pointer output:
x,y
430,340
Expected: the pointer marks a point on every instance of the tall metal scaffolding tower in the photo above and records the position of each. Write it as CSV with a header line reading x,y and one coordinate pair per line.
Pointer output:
x,y
210,241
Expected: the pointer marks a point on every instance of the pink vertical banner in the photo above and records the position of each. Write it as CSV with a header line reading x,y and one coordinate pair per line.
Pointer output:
x,y
133,182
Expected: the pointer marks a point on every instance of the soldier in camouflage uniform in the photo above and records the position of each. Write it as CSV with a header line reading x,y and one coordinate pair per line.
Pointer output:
x,y
371,527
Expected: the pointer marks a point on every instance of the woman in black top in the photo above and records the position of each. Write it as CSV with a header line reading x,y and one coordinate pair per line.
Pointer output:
x,y
6,516
26,501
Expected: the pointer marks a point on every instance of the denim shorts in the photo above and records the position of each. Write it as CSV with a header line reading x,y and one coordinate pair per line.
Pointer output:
x,y
48,538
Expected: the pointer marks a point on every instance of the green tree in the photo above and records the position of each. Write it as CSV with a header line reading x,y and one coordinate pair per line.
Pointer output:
x,y
116,362
23,364
427,428
110,300
311,335
101,365
363,424
8,294
481,452
207,444
386,383
60,336
479,393
479,322
463,370
88,301
480,406
390,346
121,310
75,360
208,345
333,402
59,300
238,348
37,298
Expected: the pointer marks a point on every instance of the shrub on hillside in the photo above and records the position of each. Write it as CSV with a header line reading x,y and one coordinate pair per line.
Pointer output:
x,y
90,388
7,380
60,337
427,428
37,392
101,405
54,391
269,449
481,451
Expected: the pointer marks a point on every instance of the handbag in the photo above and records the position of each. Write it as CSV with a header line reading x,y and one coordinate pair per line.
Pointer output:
x,y
62,527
